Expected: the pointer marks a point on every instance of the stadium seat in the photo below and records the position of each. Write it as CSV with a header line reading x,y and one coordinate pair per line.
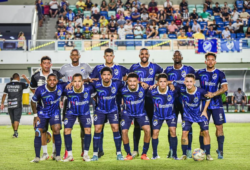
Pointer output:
x,y
69,48
176,6
144,36
78,45
245,43
191,6
202,24
130,48
104,13
144,24
121,48
162,30
210,11
226,23
245,29
231,6
220,29
172,36
240,35
87,13
72,7
130,36
233,35
138,43
111,13
199,6
220,23
248,11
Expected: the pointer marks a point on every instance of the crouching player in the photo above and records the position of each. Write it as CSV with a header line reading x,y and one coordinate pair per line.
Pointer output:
x,y
194,112
45,105
133,95
163,98
78,107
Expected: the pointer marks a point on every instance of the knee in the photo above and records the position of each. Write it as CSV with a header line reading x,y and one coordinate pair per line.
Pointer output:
x,y
172,132
115,128
205,133
98,129
147,131
67,131
184,134
56,131
155,134
87,131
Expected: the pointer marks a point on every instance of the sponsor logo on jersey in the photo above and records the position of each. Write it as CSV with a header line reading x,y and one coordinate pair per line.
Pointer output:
x,y
183,73
85,95
140,94
116,72
88,121
56,117
155,122
151,71
210,83
214,76
169,98
66,121
115,117
196,99
59,92
173,121
221,117
122,122
113,90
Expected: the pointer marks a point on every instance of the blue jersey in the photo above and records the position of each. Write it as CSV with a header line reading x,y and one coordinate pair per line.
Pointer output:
x,y
48,103
118,71
146,74
163,103
211,81
134,101
192,103
106,96
78,103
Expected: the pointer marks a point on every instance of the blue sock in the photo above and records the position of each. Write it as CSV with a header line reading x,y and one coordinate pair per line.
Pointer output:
x,y
137,136
145,148
58,144
190,139
207,149
184,149
220,140
118,141
127,148
37,145
154,145
96,140
201,142
173,145
169,139
68,142
101,142
87,141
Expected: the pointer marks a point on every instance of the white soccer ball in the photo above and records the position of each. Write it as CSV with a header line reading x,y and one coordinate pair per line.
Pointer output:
x,y
198,154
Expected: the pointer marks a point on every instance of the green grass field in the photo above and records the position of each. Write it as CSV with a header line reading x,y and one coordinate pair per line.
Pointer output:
x,y
17,153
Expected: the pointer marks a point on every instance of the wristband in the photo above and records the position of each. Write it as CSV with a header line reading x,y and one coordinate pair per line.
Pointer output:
x,y
35,115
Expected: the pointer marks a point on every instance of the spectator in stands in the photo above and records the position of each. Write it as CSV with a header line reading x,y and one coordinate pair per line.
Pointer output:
x,y
154,25
112,19
235,15
247,4
61,35
64,9
121,32
120,8
162,14
96,16
154,8
194,15
134,8
95,8
183,6
196,26
138,33
95,29
182,36
147,29
78,34
70,28
61,24
103,21
112,28
189,33
78,22
169,11
138,25
244,16
216,9
230,27
172,28
53,8
176,13
210,32
81,15
239,97
205,15
70,15
226,7
186,26
143,9
81,4
135,15
214,25
118,15
88,5
121,21
152,14
87,34
152,3
198,35
185,15
103,31
69,42
248,32
178,21
167,3
112,5
104,6
119,3
226,33
225,15
153,33
144,16
128,27
21,45
238,27
39,12
162,22
64,2
128,5
207,4
137,2
87,20
128,16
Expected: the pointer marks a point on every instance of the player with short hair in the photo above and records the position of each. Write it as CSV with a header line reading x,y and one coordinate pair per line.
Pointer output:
x,y
146,72
177,73
107,90
211,79
134,100
194,111
163,98
45,105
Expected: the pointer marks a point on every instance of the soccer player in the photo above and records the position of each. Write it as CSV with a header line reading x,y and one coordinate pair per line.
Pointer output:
x,y
177,73
78,100
146,72
67,71
194,112
107,90
134,100
39,78
14,90
46,108
163,98
211,79
119,73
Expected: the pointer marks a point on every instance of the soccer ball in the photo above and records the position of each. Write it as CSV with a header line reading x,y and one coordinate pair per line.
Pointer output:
x,y
198,154
48,135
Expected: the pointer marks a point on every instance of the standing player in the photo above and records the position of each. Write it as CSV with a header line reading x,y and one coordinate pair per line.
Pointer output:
x,y
163,99
46,108
78,100
210,80
107,90
194,112
119,73
39,78
14,90
134,100
146,72
67,71
177,73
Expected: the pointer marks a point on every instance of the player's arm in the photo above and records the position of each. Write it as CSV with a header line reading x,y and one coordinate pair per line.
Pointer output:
x,y
33,84
204,112
3,99
26,79
36,97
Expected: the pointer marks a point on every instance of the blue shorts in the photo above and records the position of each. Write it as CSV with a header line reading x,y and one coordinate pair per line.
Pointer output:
x,y
84,120
186,125
126,121
157,123
43,124
218,116
99,117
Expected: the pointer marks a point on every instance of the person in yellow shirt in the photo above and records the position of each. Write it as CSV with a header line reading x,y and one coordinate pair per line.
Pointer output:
x,y
103,21
182,36
88,21
199,35
81,4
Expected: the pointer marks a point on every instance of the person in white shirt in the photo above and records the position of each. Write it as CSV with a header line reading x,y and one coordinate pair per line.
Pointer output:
x,y
185,15
103,31
95,8
144,17
121,32
53,8
230,27
78,22
247,4
120,9
244,16
235,15
237,26
196,26
128,27
166,3
226,33
95,29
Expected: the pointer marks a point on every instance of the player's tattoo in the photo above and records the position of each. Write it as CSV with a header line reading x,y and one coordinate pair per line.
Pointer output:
x,y
183,141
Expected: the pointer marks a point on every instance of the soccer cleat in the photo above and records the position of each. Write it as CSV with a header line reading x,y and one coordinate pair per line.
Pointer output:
x,y
175,158
120,157
135,154
44,157
58,159
156,157
100,154
53,156
128,157
242,111
220,154
86,158
170,154
82,154
36,160
209,158
65,154
189,154
94,158
235,111
183,157
14,135
144,157
69,159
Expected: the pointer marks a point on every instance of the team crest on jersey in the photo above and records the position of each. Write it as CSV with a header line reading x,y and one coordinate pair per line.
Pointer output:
x,y
155,123
151,71
183,124
122,122
40,113
113,90
88,121
183,73
169,98
85,95
196,99
116,72
140,94
82,69
66,121
214,76
95,117
59,92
